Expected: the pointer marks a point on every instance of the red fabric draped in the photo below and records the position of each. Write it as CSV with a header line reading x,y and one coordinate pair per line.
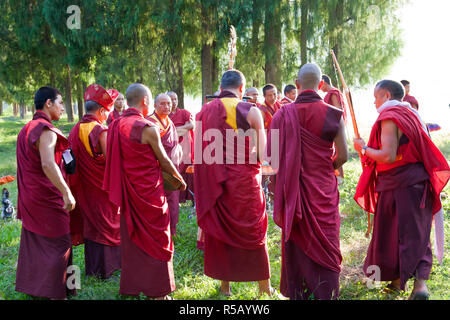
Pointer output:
x,y
112,116
101,221
39,204
229,202
134,181
338,94
420,149
179,118
412,101
169,139
268,112
306,203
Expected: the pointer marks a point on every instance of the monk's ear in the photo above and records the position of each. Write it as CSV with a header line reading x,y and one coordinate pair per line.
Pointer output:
x,y
297,84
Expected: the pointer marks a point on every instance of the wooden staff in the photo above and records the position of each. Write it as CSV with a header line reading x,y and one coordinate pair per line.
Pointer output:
x,y
348,95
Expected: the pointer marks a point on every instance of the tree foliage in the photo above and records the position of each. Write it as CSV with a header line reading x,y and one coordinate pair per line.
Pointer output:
x,y
182,45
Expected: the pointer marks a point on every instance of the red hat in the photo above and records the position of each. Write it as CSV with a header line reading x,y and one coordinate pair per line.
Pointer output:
x,y
97,93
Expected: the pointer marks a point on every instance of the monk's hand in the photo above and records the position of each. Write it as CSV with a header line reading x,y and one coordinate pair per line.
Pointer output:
x,y
183,185
358,144
69,201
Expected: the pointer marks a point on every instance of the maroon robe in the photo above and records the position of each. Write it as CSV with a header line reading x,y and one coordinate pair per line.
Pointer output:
x,y
403,196
134,181
100,218
412,101
169,140
230,202
306,198
338,94
179,118
286,100
45,247
112,116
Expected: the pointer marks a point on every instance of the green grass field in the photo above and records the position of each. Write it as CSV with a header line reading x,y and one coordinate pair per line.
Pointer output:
x,y
188,261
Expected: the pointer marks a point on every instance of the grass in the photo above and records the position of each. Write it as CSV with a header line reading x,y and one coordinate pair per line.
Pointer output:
x,y
191,283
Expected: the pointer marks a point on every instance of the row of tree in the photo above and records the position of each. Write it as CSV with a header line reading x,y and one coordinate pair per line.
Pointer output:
x,y
182,45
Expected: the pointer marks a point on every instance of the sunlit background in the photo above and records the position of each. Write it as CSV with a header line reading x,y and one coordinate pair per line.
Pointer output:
x,y
425,62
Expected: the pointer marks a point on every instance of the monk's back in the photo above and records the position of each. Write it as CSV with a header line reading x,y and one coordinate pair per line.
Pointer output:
x,y
139,160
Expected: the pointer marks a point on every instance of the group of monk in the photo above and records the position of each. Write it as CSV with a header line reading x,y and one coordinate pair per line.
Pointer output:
x,y
117,203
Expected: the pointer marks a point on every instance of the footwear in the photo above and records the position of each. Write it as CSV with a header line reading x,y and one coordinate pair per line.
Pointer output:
x,y
419,295
390,288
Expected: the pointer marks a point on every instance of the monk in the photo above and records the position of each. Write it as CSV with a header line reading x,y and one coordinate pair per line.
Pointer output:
x,y
230,203
270,104
335,98
253,94
119,106
44,201
135,157
404,173
169,140
184,124
290,94
100,218
306,206
408,98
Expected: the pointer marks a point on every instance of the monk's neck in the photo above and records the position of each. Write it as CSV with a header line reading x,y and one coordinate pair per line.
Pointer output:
x,y
46,112
119,111
163,117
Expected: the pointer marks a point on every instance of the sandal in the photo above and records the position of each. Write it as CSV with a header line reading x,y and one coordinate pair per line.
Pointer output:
x,y
391,289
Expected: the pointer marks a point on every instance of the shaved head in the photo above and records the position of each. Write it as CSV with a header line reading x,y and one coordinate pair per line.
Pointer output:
x,y
251,91
136,92
309,76
162,96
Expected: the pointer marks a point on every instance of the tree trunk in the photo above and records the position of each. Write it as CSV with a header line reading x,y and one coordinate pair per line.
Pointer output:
x,y
304,31
23,110
80,91
68,97
206,52
15,109
335,21
272,43
1,107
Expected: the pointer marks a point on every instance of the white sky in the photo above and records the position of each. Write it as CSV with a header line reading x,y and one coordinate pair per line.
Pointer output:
x,y
425,62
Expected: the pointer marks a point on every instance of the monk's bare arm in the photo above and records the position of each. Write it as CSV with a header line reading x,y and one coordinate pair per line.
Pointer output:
x,y
256,122
46,146
182,130
150,135
102,142
389,144
335,102
340,142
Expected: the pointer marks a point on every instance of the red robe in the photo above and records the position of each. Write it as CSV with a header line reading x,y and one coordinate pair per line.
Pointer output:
x,y
403,196
412,101
421,149
179,118
338,94
38,199
101,219
134,181
112,116
95,217
230,203
286,100
169,140
45,246
306,198
268,112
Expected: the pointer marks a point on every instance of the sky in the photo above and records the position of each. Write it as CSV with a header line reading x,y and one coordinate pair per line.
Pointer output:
x,y
425,62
